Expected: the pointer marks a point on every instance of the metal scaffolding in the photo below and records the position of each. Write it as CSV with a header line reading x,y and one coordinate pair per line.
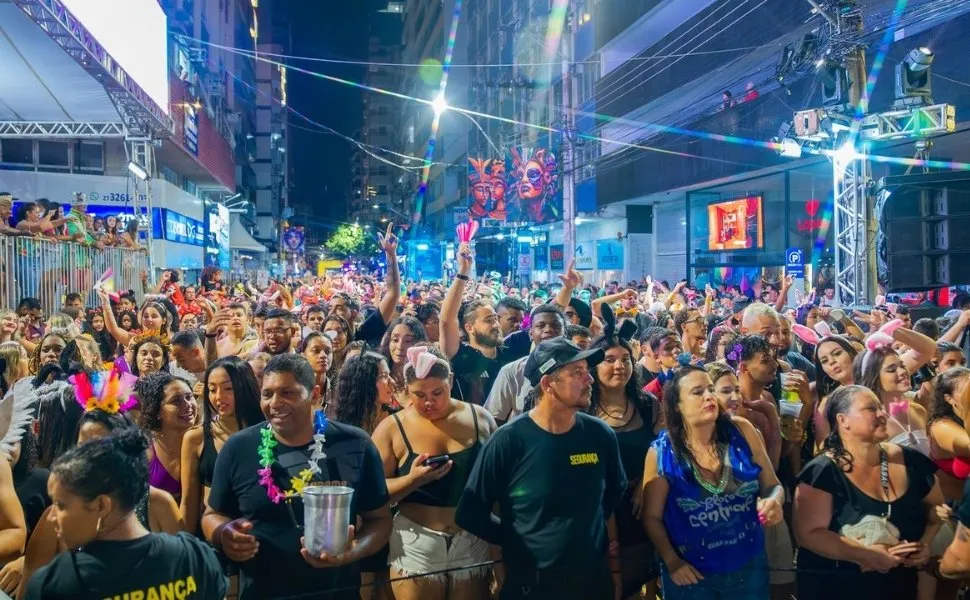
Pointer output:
x,y
61,130
141,151
138,111
852,213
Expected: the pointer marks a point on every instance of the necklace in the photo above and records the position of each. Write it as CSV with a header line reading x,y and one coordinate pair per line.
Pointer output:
x,y
267,457
620,422
721,484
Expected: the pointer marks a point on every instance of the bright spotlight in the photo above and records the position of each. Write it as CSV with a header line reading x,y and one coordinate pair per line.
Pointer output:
x,y
846,153
790,148
439,105
137,170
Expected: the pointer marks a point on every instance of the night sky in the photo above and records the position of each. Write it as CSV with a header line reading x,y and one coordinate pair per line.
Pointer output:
x,y
320,163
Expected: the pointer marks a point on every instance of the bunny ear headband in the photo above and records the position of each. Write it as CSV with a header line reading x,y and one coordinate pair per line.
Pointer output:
x,y
880,339
813,337
421,360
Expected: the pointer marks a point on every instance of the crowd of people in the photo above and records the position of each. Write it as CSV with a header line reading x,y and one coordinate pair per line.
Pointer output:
x,y
557,441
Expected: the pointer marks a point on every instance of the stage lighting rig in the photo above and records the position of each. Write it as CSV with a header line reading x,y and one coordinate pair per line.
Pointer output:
x,y
913,82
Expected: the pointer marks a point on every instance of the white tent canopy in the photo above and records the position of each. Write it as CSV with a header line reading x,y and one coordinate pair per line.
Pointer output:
x,y
239,238
39,81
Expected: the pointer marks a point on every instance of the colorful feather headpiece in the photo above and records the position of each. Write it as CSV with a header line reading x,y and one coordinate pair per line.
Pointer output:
x,y
110,391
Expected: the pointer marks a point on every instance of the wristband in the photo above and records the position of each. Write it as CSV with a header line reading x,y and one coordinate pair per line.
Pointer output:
x,y
211,335
462,277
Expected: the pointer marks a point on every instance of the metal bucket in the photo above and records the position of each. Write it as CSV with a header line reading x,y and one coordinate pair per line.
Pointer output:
x,y
326,518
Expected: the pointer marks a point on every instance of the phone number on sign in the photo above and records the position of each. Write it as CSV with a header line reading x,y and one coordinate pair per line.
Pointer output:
x,y
114,197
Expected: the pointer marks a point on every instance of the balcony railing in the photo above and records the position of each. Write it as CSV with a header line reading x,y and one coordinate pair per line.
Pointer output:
x,y
48,271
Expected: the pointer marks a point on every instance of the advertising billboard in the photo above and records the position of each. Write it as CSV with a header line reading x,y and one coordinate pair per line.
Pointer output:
x,y
140,46
736,225
217,251
183,230
557,255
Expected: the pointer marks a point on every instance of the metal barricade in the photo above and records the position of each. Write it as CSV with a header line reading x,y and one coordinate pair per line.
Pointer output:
x,y
48,270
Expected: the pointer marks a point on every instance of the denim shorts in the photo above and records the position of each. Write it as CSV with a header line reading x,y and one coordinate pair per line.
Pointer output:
x,y
750,582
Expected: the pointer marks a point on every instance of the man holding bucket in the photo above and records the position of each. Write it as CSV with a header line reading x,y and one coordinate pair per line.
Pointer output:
x,y
286,495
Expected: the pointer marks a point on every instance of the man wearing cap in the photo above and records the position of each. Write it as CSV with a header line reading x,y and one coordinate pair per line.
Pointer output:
x,y
556,477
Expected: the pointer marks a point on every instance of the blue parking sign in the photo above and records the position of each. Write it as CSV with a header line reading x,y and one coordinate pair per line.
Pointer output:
x,y
795,263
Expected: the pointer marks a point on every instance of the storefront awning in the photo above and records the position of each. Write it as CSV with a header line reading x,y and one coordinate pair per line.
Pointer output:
x,y
239,238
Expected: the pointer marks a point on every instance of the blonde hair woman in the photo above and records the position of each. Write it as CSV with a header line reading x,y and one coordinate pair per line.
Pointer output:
x,y
16,358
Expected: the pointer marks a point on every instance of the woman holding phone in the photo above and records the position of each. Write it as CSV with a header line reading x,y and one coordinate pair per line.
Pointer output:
x,y
428,450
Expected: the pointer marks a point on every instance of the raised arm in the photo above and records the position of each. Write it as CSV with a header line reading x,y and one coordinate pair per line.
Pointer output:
x,y
110,323
449,329
392,295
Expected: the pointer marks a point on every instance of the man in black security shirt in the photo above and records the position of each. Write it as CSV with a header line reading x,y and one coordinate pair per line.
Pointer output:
x,y
265,538
372,329
556,476
475,363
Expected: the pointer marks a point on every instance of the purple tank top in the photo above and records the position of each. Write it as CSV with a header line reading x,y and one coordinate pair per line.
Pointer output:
x,y
159,477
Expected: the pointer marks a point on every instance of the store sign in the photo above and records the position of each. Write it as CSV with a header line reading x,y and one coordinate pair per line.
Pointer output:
x,y
811,224
183,230
584,256
795,263
609,255
556,257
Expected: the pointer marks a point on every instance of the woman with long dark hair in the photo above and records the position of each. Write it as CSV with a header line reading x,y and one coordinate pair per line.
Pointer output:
x,y
864,509
168,411
317,348
633,416
402,333
365,392
887,373
949,442
340,333
95,489
230,403
708,468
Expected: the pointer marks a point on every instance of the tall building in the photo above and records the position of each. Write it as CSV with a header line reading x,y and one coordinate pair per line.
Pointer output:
x,y
375,185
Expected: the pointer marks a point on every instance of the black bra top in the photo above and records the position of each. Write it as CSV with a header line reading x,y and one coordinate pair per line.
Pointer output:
x,y
444,492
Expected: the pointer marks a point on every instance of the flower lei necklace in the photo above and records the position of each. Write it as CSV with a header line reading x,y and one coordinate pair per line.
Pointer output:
x,y
267,457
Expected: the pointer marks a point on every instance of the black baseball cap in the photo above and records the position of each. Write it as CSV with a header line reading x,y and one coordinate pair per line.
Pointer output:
x,y
555,353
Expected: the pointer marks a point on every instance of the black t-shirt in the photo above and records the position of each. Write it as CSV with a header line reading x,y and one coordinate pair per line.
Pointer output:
x,y
32,493
850,505
155,566
555,493
517,345
475,373
372,329
278,569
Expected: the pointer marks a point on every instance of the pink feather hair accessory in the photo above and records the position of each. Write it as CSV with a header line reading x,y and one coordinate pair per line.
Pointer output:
x,y
891,327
